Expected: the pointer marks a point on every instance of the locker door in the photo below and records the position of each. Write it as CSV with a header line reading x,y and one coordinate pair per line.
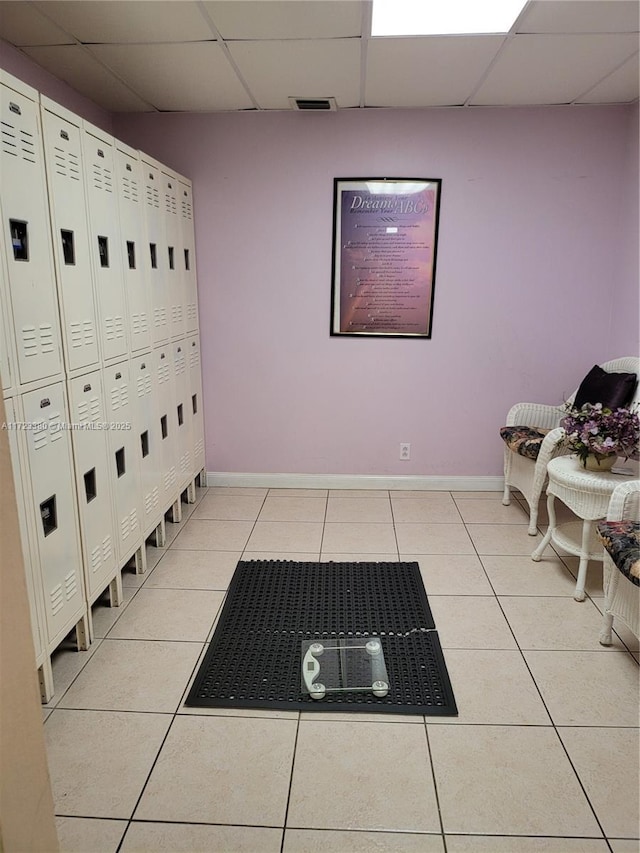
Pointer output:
x,y
124,465
104,237
6,352
89,441
20,473
143,375
65,179
53,509
190,293
157,249
175,265
33,311
182,419
196,408
134,251
163,368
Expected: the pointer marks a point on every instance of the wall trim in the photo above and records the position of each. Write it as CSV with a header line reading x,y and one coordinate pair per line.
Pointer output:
x,y
356,481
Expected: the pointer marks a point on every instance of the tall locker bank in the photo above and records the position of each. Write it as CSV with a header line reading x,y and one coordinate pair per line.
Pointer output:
x,y
32,308
99,357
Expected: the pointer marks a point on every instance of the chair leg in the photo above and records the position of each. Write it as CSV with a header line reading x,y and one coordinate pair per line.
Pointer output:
x,y
605,631
506,497
533,520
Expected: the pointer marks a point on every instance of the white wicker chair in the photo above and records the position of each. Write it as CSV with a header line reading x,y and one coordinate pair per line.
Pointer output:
x,y
530,476
621,596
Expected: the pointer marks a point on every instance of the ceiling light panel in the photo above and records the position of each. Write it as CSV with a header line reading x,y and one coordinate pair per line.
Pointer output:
x,y
22,24
144,21
426,71
278,70
191,77
621,86
434,17
581,16
548,69
286,19
74,65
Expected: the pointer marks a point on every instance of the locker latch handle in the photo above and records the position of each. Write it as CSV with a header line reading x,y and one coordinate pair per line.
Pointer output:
x,y
15,108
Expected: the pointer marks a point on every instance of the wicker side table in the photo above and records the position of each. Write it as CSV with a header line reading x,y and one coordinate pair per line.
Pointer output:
x,y
587,494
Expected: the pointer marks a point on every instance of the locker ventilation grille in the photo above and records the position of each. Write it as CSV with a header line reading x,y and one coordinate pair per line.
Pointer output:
x,y
18,143
102,178
66,164
107,549
153,197
170,204
187,210
56,599
130,189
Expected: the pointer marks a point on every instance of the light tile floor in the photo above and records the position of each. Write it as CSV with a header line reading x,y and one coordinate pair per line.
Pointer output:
x,y
542,757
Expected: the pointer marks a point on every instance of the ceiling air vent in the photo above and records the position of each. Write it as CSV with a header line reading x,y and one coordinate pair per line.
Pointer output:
x,y
313,104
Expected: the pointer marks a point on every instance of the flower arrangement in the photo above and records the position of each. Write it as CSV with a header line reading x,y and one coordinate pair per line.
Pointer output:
x,y
597,431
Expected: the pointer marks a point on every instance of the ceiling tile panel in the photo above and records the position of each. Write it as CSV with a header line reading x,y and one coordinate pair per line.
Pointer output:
x,y
426,71
284,19
581,16
277,70
191,77
621,86
546,69
147,21
74,65
22,24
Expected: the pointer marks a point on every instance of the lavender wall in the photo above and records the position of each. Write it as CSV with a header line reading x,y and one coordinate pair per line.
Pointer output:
x,y
25,69
535,279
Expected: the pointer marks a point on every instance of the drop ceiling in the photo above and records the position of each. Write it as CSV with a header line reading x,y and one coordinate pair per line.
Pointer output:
x,y
220,55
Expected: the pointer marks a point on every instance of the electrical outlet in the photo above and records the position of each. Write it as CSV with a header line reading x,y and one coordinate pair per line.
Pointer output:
x,y
405,450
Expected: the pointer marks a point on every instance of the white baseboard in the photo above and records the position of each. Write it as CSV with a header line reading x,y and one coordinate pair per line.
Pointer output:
x,y
356,481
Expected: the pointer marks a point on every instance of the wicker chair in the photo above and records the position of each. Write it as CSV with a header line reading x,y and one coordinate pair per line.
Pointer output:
x,y
619,533
529,474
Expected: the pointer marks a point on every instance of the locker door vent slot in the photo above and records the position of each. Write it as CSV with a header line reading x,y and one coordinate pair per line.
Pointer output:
x,y
153,249
90,489
120,463
194,403
180,415
187,264
49,515
163,426
103,251
68,248
171,258
19,239
144,442
131,254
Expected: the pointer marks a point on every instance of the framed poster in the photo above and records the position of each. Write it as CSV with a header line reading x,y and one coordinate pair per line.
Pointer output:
x,y
385,235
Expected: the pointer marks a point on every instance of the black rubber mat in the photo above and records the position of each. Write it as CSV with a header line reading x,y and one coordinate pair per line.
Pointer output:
x,y
272,606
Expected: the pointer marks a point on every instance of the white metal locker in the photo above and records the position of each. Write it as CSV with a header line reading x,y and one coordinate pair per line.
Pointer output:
x,y
67,205
143,377
52,506
175,266
157,248
31,288
163,367
89,442
104,236
190,289
6,340
134,249
124,466
34,590
181,413
196,407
